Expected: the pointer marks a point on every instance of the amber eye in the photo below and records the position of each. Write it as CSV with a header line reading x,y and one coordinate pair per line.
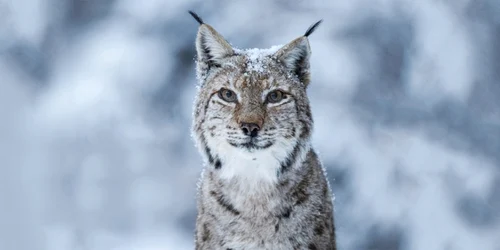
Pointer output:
x,y
275,96
227,95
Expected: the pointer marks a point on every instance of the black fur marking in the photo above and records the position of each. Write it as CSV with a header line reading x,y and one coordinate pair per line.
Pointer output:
x,y
209,155
306,125
286,213
215,117
319,229
196,17
312,28
213,160
306,131
312,246
217,164
250,145
208,102
220,199
299,65
206,50
300,193
301,196
277,227
290,160
205,235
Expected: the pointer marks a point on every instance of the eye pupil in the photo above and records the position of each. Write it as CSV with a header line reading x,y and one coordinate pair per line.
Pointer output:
x,y
227,95
275,96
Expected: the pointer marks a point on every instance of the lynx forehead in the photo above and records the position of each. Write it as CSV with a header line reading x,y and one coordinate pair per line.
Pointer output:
x,y
263,186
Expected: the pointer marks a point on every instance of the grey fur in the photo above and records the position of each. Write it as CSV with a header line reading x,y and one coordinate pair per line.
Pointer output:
x,y
269,192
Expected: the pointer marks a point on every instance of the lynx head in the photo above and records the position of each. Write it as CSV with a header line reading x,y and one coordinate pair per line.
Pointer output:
x,y
251,102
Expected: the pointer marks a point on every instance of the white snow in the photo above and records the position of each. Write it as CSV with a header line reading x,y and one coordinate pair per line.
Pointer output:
x,y
257,58
95,147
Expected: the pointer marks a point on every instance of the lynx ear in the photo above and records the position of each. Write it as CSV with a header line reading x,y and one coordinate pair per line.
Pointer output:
x,y
211,47
295,55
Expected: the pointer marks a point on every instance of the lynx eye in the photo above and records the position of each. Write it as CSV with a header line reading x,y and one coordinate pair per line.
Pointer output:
x,y
227,95
275,96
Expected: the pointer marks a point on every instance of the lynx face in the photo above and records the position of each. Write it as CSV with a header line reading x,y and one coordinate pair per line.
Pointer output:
x,y
251,103
253,110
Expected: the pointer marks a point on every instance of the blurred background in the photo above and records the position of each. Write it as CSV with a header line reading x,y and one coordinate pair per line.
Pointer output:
x,y
96,102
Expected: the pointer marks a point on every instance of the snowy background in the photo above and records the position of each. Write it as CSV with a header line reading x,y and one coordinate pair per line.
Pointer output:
x,y
96,100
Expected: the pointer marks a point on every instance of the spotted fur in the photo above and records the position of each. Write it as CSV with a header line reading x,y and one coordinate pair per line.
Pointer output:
x,y
267,191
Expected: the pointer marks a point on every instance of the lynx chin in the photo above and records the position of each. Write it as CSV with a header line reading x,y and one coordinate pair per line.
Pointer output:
x,y
263,186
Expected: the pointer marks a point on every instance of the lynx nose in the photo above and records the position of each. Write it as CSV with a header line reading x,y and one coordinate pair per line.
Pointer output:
x,y
250,129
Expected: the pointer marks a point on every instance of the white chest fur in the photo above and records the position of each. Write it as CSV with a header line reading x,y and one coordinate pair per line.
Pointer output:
x,y
251,176
254,168
257,167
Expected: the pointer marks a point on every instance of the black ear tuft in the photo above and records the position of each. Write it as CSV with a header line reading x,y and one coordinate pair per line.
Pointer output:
x,y
196,17
312,28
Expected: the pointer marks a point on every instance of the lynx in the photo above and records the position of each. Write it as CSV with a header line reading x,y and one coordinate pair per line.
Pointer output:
x,y
263,186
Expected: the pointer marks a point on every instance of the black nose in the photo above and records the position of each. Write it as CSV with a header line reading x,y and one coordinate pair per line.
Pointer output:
x,y
250,129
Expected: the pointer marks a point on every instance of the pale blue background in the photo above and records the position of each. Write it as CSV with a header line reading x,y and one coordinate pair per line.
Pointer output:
x,y
95,107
